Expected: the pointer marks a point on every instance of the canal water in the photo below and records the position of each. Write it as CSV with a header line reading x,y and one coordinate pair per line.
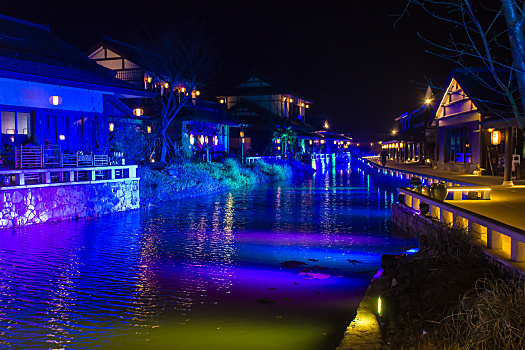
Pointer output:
x,y
277,266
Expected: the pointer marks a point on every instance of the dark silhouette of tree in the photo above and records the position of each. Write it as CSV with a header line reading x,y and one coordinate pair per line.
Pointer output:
x,y
178,61
485,32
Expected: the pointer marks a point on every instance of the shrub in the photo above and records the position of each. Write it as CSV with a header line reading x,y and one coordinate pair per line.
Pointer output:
x,y
490,316
189,179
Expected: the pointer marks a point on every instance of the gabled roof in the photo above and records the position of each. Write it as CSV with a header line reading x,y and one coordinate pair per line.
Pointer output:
x,y
268,86
33,42
479,85
127,51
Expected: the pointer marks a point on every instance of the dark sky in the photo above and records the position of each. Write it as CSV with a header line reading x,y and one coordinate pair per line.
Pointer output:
x,y
345,55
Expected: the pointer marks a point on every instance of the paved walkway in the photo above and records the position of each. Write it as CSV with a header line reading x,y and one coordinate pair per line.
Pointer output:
x,y
506,204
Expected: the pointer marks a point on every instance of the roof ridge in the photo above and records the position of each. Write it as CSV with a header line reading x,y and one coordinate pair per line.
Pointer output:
x,y
27,23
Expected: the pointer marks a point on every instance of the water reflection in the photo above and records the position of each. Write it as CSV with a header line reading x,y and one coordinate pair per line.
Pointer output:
x,y
187,274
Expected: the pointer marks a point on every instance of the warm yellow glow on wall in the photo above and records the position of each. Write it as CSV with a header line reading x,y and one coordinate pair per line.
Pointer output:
x,y
495,138
284,98
148,129
192,139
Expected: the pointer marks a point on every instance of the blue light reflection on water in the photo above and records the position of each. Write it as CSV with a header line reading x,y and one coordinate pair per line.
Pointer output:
x,y
186,275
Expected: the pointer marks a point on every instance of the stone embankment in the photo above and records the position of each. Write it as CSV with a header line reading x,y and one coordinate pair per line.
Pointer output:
x,y
34,205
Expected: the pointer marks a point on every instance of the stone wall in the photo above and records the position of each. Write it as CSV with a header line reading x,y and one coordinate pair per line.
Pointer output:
x,y
46,203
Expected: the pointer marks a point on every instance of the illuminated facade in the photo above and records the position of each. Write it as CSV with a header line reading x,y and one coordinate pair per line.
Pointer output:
x,y
52,93
468,106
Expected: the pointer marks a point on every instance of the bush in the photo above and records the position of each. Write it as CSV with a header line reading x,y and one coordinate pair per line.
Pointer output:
x,y
190,179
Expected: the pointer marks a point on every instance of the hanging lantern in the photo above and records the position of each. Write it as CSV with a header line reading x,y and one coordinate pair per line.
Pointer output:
x,y
241,134
138,112
495,137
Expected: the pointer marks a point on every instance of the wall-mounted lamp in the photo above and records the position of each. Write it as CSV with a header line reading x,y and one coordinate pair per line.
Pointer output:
x,y
138,112
148,129
221,101
61,137
111,127
55,100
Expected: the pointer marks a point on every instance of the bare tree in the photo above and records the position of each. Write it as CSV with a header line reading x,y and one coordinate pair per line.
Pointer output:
x,y
486,32
178,62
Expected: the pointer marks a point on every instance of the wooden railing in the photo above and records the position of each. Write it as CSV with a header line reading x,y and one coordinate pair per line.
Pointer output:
x,y
50,156
508,240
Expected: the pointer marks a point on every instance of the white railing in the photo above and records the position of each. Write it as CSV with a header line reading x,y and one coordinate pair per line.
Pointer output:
x,y
66,176
495,235
267,159
425,179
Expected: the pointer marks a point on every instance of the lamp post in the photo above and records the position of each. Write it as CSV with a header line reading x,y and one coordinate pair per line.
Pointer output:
x,y
242,145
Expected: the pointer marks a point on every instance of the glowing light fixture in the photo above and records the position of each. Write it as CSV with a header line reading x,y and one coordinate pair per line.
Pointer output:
x,y
182,89
148,129
291,100
197,92
138,112
307,106
302,104
166,85
427,101
148,80
284,98
215,140
379,307
490,129
62,137
221,101
322,141
495,137
325,125
393,132
371,143
278,140
111,127
55,100
357,145
241,134
310,142
192,139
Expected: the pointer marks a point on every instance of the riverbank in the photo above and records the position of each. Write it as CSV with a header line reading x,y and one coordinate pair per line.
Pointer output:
x,y
187,179
449,295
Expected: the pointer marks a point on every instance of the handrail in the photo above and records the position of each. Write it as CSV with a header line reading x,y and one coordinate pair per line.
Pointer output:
x,y
494,234
39,177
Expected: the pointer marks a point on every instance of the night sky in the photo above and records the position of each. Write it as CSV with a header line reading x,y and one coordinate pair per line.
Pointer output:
x,y
347,56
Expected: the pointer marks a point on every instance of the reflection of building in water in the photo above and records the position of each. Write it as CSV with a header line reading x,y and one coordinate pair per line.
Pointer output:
x,y
196,266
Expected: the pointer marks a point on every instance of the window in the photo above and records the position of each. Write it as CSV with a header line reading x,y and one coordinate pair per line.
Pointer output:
x,y
16,127
457,145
